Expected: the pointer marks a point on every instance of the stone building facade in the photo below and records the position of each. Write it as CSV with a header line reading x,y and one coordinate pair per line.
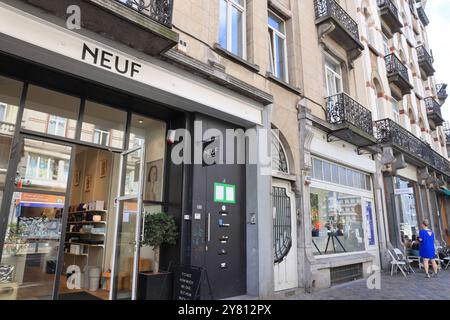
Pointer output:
x,y
343,91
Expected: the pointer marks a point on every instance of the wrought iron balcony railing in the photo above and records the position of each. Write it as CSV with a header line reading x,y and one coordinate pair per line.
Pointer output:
x,y
158,10
412,6
394,65
441,90
389,14
331,9
6,128
424,55
390,5
423,16
389,132
434,111
440,163
341,108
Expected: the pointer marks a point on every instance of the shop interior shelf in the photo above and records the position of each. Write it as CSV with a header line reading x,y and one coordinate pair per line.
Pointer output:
x,y
88,233
86,244
88,211
85,222
76,254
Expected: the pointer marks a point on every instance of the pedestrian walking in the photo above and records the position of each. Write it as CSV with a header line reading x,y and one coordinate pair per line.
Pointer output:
x,y
427,248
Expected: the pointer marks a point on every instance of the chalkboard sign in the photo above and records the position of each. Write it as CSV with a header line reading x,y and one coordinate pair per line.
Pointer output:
x,y
187,281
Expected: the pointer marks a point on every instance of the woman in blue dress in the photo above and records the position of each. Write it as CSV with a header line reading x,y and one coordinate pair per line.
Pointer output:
x,y
427,248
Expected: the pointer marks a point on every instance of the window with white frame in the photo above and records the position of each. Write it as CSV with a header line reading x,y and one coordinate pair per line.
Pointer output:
x,y
277,47
2,112
232,29
396,110
333,74
47,168
101,137
56,126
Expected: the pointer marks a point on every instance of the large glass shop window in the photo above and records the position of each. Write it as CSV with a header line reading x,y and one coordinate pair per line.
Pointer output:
x,y
337,218
406,205
34,221
152,134
10,92
51,112
103,125
337,222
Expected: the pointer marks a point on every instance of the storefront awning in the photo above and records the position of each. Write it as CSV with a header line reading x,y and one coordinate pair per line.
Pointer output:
x,y
445,191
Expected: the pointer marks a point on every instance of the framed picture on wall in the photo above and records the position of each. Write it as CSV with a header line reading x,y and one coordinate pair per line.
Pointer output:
x,y
153,180
76,178
87,183
103,168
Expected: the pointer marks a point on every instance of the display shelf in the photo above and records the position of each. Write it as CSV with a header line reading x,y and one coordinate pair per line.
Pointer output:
x,y
86,222
87,233
76,254
89,211
86,244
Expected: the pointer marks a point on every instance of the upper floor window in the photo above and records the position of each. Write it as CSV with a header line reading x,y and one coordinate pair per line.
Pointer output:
x,y
396,110
232,26
333,73
386,49
101,137
277,47
2,112
57,126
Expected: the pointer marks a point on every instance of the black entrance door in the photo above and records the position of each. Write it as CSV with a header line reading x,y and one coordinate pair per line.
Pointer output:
x,y
219,220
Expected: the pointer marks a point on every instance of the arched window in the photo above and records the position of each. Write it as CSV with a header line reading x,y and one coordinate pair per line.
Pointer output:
x,y
368,25
396,110
423,134
379,99
280,161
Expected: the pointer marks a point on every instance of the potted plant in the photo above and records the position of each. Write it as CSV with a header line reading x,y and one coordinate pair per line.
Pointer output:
x,y
159,229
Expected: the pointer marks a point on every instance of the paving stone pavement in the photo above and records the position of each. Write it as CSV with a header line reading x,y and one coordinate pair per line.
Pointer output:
x,y
397,287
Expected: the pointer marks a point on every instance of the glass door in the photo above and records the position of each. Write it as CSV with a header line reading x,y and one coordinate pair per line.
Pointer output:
x,y
128,226
33,214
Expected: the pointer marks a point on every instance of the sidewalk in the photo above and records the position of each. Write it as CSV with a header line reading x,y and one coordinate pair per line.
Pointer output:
x,y
397,287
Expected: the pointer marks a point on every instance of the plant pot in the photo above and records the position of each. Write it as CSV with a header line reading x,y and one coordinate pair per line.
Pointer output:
x,y
155,286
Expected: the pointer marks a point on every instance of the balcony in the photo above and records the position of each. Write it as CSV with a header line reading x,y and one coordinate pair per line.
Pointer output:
x,y
144,25
425,62
434,112
422,16
417,152
389,15
441,90
397,74
157,10
412,6
334,21
351,121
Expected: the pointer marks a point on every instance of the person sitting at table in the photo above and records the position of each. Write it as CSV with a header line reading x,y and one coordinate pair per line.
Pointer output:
x,y
415,246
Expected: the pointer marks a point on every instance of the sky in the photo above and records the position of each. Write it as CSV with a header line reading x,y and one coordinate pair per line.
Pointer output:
x,y
438,12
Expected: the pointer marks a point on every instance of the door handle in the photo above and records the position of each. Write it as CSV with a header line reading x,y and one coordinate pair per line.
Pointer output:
x,y
208,239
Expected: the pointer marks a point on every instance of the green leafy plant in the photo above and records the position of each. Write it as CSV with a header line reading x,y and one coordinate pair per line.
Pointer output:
x,y
159,229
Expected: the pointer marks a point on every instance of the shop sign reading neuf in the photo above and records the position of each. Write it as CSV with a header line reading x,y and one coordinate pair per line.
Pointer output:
x,y
110,61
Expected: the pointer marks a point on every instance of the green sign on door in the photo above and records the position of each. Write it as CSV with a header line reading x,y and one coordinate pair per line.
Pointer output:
x,y
224,193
